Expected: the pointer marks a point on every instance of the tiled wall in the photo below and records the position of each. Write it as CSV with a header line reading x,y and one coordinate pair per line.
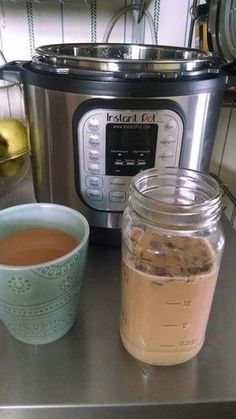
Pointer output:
x,y
24,25
223,162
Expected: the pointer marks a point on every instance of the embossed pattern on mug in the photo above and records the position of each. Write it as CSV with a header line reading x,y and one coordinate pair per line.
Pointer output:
x,y
57,270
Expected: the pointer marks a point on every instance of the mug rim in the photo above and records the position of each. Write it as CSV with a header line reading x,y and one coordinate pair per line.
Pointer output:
x,y
61,258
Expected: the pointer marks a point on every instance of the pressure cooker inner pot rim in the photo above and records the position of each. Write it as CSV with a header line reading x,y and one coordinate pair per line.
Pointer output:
x,y
125,52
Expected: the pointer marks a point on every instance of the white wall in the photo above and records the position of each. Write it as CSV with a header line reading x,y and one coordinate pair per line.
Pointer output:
x,y
26,25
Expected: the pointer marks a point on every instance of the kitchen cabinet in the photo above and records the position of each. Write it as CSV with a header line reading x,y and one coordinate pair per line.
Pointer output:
x,y
88,374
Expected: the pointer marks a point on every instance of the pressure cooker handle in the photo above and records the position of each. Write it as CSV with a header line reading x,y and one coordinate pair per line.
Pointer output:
x,y
12,71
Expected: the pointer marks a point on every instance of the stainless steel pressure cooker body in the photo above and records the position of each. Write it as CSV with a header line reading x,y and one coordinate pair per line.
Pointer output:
x,y
100,113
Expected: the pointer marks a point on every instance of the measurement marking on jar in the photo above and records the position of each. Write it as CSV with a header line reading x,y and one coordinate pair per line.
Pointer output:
x,y
187,303
188,342
124,317
182,325
170,325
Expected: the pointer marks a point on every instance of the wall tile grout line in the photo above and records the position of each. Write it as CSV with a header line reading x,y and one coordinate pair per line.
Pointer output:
x,y
187,23
62,22
223,149
233,215
125,22
3,24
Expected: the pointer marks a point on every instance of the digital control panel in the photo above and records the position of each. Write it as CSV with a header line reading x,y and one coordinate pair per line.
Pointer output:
x,y
114,145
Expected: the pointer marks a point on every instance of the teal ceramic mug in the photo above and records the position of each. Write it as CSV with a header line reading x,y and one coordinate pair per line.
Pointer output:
x,y
39,303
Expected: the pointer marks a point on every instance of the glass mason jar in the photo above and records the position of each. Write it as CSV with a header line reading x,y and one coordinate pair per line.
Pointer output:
x,y
172,243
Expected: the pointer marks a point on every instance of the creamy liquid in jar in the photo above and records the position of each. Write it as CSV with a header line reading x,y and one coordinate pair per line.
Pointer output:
x,y
166,297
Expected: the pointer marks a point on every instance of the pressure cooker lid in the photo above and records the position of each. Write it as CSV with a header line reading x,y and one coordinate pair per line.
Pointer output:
x,y
149,60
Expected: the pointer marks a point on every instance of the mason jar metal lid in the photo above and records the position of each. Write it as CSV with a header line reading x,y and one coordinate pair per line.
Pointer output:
x,y
147,60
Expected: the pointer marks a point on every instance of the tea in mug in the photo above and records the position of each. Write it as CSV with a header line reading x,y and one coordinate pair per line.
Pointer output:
x,y
35,246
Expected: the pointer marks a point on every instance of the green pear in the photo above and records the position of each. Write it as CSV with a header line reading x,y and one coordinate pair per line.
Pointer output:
x,y
13,138
10,168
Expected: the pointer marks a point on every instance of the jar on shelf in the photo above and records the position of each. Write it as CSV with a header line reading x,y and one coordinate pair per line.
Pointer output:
x,y
172,244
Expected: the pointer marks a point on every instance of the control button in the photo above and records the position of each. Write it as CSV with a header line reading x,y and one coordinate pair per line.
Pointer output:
x,y
94,155
94,182
166,155
93,124
141,163
168,140
94,168
94,140
117,196
118,182
94,195
170,124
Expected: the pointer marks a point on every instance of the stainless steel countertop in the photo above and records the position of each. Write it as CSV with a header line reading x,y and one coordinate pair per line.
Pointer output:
x,y
89,375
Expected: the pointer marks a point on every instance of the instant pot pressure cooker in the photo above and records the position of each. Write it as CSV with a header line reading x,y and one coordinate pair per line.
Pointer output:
x,y
100,113
215,31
